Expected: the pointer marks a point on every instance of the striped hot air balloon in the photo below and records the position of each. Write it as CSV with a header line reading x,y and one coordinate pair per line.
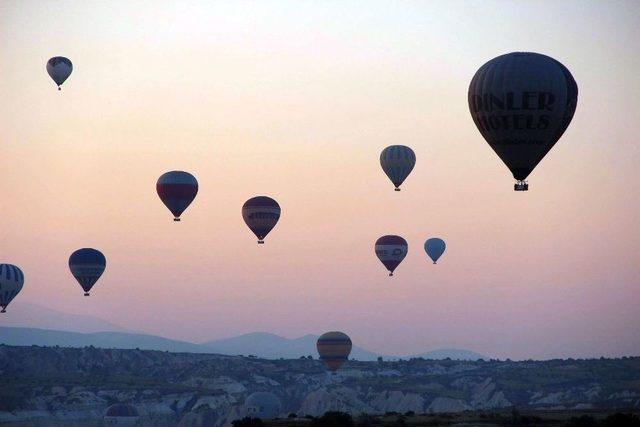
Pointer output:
x,y
334,348
177,189
261,214
397,162
522,103
391,250
87,265
59,69
11,281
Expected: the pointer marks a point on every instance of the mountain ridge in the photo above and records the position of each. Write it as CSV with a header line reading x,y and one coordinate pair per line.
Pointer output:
x,y
264,345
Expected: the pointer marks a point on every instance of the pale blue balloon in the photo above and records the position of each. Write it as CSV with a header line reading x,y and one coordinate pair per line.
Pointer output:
x,y
434,247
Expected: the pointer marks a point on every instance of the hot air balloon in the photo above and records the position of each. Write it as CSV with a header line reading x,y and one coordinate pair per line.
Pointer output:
x,y
262,404
397,162
261,214
391,250
522,103
434,247
87,265
177,189
334,349
121,414
11,281
59,68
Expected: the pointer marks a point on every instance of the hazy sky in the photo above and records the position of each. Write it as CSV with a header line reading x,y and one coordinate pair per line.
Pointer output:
x,y
296,100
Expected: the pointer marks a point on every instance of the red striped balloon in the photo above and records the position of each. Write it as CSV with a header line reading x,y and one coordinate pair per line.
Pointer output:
x,y
334,348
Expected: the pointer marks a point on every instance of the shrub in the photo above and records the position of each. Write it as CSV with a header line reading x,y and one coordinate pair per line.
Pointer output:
x,y
619,419
248,422
582,421
333,419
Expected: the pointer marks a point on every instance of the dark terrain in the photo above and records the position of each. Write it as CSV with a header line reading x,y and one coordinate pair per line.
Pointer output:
x,y
73,386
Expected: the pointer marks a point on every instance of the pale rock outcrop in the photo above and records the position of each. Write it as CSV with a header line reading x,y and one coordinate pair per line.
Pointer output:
x,y
447,404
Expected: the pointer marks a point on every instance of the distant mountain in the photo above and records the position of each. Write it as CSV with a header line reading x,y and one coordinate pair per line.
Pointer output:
x,y
260,344
45,337
27,315
271,346
453,354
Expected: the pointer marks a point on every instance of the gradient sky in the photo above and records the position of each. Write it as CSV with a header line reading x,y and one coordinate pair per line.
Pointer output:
x,y
295,100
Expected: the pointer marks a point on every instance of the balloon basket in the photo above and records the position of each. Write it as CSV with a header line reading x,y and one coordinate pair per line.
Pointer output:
x,y
176,219
520,186
86,294
3,311
397,189
261,242
390,274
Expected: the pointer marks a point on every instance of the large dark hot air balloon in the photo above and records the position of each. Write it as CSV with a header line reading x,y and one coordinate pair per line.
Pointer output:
x,y
522,103
391,250
87,265
11,281
261,214
177,189
334,349
59,69
397,162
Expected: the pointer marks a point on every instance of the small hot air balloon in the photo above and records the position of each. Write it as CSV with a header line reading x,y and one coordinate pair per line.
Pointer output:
x,y
522,103
177,189
434,247
334,349
87,265
121,414
397,162
59,68
262,404
11,281
391,250
261,214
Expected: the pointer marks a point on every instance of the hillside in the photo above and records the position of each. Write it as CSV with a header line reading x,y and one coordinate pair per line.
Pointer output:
x,y
78,384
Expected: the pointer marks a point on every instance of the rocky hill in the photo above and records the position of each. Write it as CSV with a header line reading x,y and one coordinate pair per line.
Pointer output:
x,y
75,385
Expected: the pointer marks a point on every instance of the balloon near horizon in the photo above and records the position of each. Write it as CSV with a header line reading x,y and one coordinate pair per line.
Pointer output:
x,y
334,348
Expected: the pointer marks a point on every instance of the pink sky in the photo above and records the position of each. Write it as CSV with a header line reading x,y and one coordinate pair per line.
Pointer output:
x,y
296,100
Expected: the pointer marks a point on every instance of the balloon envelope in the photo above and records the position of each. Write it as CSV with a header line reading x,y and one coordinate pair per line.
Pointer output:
x,y
11,281
59,69
391,250
177,189
334,348
434,247
87,265
261,214
397,162
522,103
262,404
